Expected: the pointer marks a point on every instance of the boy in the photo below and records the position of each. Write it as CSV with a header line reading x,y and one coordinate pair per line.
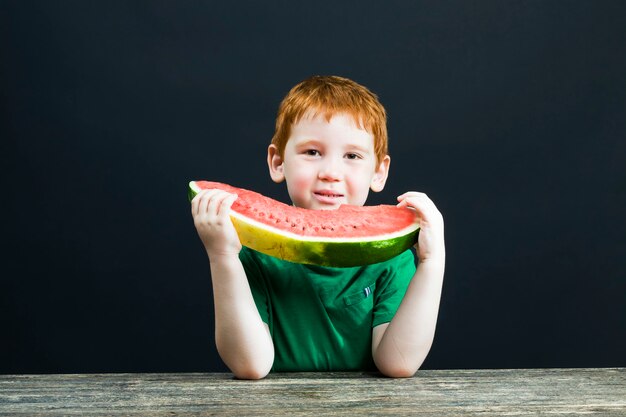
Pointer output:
x,y
330,147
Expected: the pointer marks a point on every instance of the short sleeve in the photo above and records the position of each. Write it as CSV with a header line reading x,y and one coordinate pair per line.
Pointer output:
x,y
391,286
256,280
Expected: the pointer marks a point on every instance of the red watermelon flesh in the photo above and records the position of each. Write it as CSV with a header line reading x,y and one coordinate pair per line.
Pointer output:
x,y
347,236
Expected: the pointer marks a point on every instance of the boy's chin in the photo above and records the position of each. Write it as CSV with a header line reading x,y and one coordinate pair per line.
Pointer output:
x,y
317,206
328,207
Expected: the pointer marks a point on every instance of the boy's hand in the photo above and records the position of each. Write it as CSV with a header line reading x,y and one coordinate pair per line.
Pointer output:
x,y
210,210
430,243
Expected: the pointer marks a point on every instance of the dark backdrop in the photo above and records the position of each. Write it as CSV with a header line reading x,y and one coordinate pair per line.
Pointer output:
x,y
511,115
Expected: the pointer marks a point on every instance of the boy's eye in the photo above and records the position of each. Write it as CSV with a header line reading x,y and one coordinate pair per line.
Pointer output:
x,y
353,156
311,152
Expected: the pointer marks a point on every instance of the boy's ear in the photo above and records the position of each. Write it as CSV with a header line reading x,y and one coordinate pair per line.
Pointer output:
x,y
380,175
275,164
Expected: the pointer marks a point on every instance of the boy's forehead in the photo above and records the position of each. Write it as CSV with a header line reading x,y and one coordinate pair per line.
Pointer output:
x,y
342,129
315,114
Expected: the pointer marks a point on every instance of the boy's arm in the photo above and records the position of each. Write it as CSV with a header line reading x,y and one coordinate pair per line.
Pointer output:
x,y
243,340
400,347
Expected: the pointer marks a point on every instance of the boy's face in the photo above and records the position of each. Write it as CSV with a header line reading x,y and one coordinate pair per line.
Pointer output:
x,y
326,164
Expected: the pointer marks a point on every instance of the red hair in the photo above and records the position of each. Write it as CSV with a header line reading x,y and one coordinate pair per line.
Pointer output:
x,y
330,95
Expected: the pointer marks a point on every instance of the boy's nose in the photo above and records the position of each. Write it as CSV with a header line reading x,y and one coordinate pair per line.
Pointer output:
x,y
329,172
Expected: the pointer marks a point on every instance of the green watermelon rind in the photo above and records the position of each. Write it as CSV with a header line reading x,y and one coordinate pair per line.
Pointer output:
x,y
332,252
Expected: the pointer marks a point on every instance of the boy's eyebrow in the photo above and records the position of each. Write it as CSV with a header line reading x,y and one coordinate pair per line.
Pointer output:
x,y
306,143
358,148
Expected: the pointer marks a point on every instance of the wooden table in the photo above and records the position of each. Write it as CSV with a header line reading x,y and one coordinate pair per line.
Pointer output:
x,y
439,393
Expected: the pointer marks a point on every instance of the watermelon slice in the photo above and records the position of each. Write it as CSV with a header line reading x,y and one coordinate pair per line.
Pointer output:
x,y
348,236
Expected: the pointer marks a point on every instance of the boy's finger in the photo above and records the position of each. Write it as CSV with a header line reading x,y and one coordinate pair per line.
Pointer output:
x,y
411,194
411,200
205,203
196,201
417,200
216,202
227,202
415,203
194,205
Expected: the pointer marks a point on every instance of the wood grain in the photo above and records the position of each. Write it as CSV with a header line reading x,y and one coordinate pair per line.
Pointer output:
x,y
516,392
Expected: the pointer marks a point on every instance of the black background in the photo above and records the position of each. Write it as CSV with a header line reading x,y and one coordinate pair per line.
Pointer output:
x,y
511,115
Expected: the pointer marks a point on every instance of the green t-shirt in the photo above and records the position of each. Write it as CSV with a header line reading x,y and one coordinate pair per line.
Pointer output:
x,y
321,318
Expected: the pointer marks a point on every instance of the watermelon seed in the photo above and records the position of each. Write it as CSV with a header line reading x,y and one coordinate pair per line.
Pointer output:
x,y
293,225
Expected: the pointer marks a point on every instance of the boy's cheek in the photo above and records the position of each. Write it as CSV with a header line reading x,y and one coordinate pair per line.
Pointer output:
x,y
297,189
298,180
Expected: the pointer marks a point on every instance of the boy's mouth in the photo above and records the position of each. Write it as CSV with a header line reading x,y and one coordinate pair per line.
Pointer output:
x,y
327,196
